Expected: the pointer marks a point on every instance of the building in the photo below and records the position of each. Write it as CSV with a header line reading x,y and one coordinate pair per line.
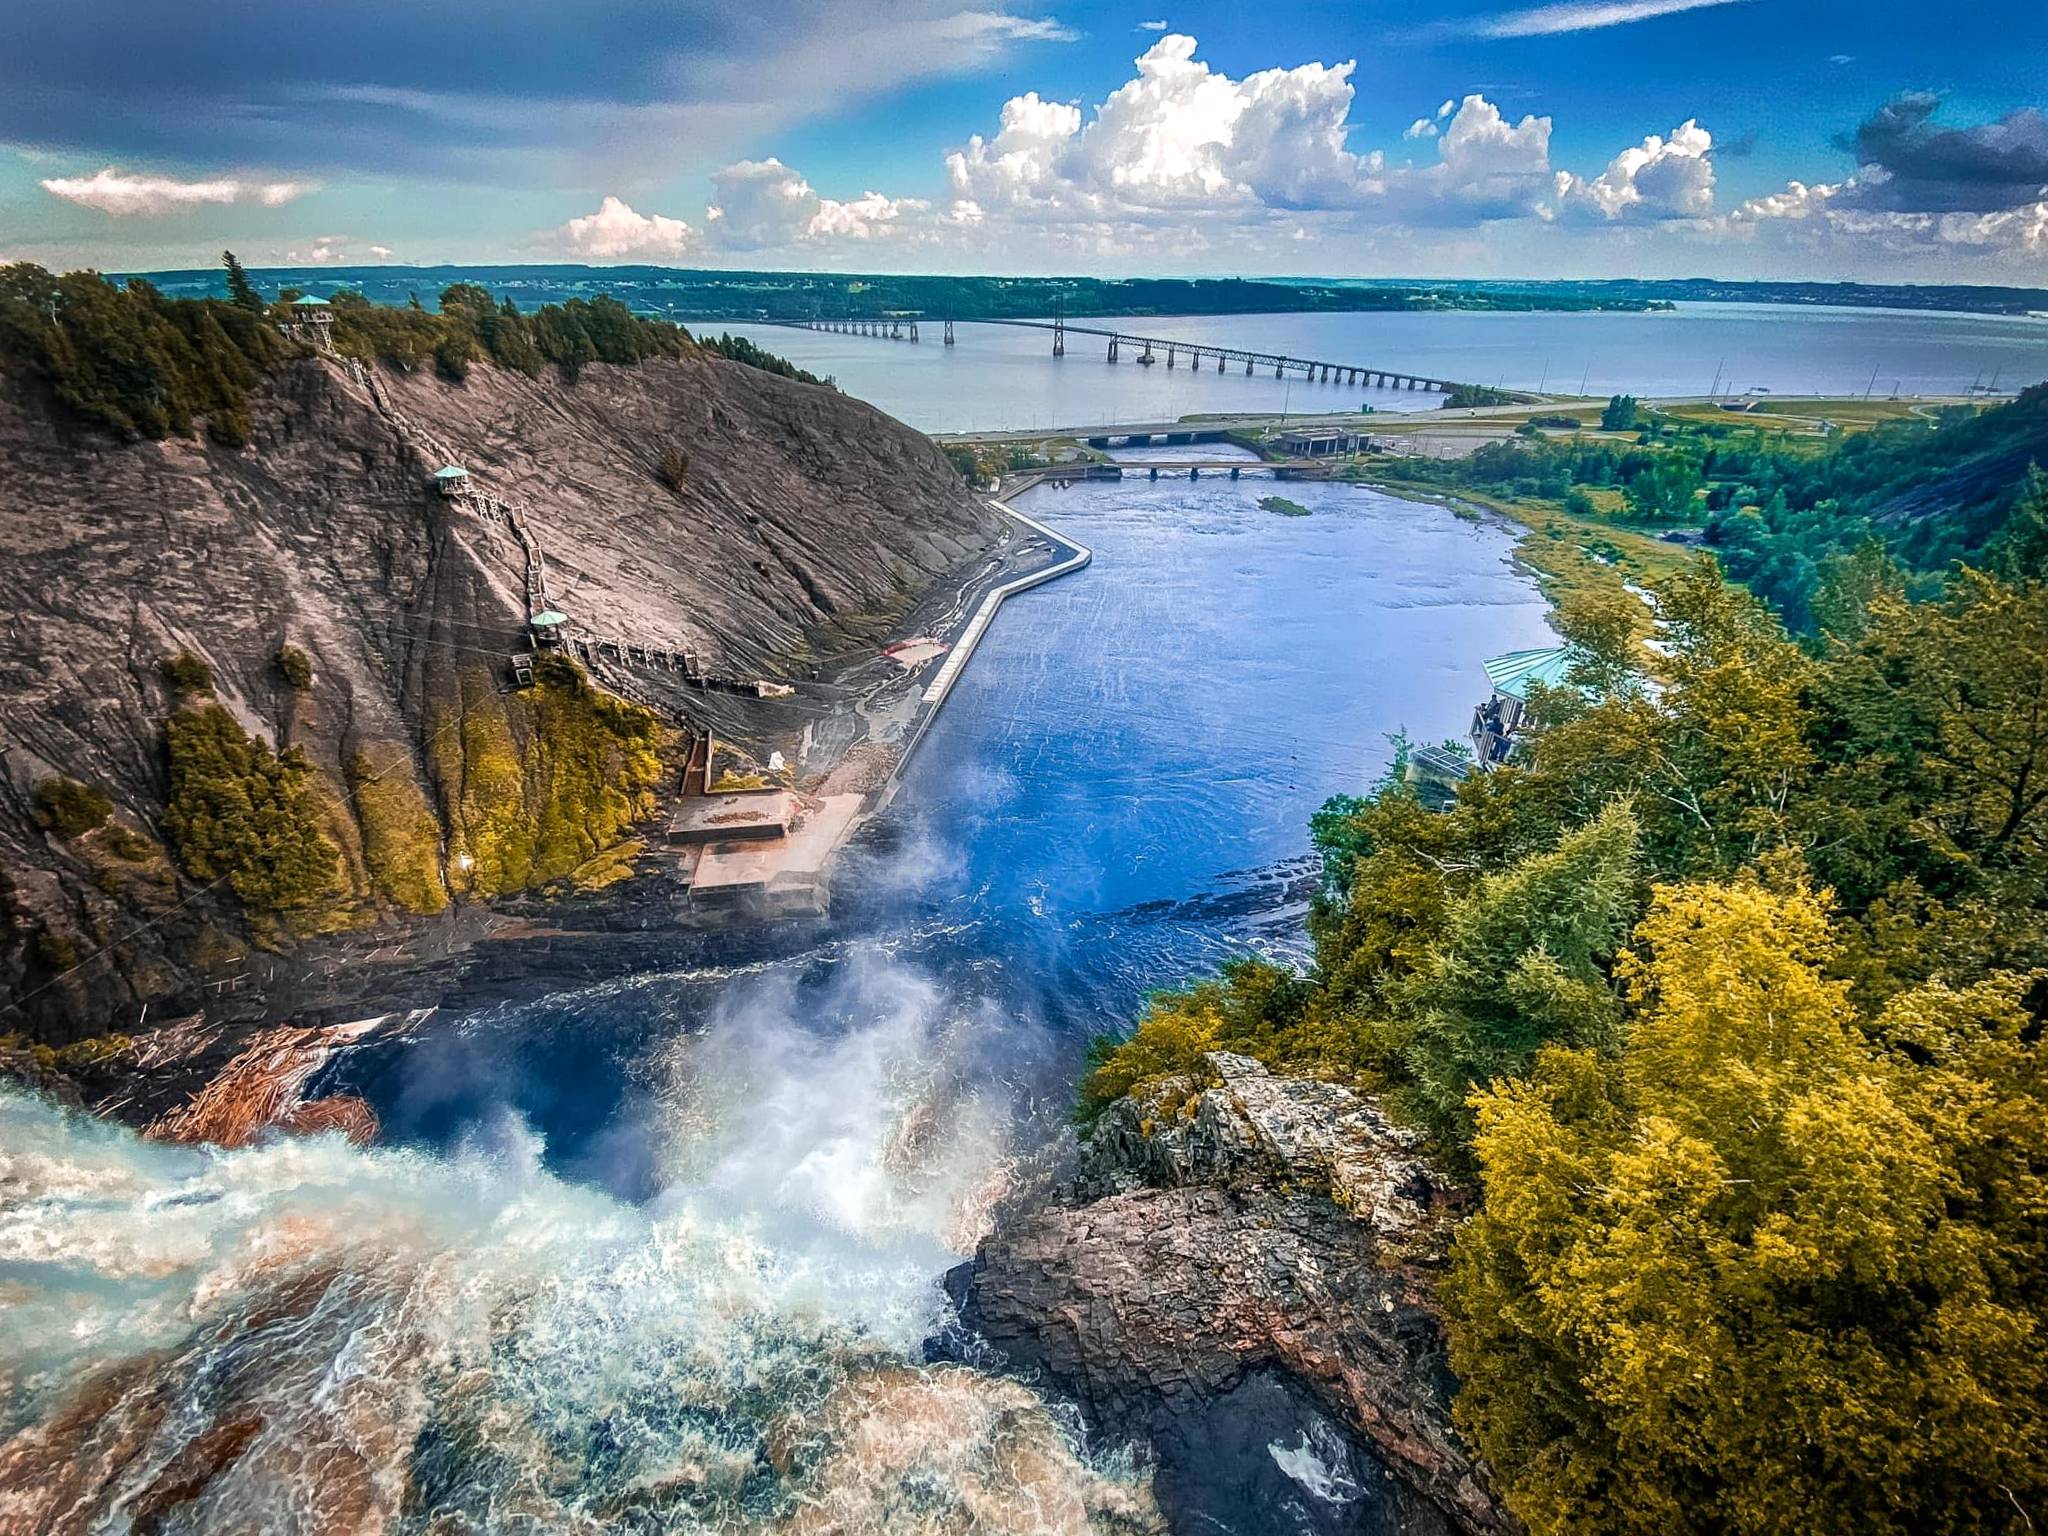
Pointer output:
x,y
1497,722
308,318
1317,442
451,479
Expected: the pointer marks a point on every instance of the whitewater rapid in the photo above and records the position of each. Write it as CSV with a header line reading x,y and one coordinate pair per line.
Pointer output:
x,y
307,1336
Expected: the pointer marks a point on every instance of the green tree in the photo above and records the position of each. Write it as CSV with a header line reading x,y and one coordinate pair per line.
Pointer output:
x,y
241,292
1620,415
1522,964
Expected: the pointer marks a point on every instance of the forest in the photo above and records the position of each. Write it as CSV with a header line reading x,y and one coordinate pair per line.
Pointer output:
x,y
1725,1000
1793,521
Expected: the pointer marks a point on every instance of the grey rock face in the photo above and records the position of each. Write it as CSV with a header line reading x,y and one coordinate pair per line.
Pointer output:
x,y
805,523
1270,1248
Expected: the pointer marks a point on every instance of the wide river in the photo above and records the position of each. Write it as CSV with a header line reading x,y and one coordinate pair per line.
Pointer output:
x,y
999,376
659,1254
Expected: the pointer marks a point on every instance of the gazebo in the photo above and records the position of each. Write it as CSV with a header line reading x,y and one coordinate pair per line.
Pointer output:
x,y
451,479
546,628
307,318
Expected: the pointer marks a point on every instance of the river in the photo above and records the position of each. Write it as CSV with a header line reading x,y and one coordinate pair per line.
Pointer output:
x,y
659,1254
999,376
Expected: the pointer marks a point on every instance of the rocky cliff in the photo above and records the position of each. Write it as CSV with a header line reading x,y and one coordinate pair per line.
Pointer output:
x,y
1242,1278
347,616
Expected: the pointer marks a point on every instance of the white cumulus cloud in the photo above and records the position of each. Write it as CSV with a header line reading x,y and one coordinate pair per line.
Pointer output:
x,y
1660,178
617,229
766,205
1421,128
123,195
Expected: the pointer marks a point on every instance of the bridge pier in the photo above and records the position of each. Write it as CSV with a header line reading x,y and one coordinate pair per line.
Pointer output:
x,y
1247,367
1194,472
1233,472
949,333
1279,369
1169,357
913,330
1112,349
1219,362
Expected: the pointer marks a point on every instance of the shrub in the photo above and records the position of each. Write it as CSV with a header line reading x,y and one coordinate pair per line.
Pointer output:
x,y
56,951
186,674
239,811
295,667
71,809
674,468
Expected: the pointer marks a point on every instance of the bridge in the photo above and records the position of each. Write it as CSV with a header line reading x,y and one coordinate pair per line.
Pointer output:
x,y
1189,469
1150,350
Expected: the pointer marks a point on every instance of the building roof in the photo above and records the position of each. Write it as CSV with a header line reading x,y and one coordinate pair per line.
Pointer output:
x,y
309,301
548,619
1513,673
451,472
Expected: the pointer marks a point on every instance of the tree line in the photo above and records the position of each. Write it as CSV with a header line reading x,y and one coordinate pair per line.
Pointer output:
x,y
127,358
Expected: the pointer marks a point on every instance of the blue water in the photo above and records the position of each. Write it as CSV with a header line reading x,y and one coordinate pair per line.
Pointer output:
x,y
999,376
1114,799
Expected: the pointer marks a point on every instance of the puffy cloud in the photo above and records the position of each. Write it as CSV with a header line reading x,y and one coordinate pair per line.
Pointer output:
x,y
126,196
1421,128
1548,20
381,252
765,205
324,251
1661,178
617,229
1984,168
1151,26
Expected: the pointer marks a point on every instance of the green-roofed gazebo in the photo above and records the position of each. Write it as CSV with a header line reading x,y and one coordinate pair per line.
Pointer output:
x,y
1514,673
451,478
310,301
546,627
1496,723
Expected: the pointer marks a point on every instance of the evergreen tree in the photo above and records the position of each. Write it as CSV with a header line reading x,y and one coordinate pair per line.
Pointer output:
x,y
241,292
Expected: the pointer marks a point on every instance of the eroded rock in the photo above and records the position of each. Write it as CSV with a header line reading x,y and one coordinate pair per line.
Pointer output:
x,y
1260,1258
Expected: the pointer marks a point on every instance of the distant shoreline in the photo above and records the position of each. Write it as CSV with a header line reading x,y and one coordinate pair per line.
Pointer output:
x,y
705,297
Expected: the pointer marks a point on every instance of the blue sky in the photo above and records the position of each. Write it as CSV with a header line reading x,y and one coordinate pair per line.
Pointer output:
x,y
1769,138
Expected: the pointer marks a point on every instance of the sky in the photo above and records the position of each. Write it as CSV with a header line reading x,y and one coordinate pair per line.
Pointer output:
x,y
1879,140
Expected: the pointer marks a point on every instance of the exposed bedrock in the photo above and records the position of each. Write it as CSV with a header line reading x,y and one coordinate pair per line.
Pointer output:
x,y
681,504
1244,1277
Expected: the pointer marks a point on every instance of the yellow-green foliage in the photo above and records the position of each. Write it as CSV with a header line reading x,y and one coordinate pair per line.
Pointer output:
x,y
294,666
543,782
1781,1268
71,809
186,674
1251,1009
401,838
483,784
1762,1246
242,812
732,783
594,763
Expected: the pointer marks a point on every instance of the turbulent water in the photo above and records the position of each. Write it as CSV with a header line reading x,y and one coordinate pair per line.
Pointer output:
x,y
1003,377
659,1254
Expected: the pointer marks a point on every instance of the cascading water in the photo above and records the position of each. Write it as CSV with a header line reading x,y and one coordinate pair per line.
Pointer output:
x,y
305,1336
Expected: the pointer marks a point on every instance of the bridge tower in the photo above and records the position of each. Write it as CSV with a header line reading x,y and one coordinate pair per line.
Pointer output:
x,y
949,330
1059,328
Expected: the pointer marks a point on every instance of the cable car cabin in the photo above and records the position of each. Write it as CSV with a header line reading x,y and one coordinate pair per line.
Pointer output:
x,y
546,629
451,479
522,669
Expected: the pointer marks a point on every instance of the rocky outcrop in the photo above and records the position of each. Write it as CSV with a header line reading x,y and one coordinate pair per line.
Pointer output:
x,y
1243,1276
682,504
